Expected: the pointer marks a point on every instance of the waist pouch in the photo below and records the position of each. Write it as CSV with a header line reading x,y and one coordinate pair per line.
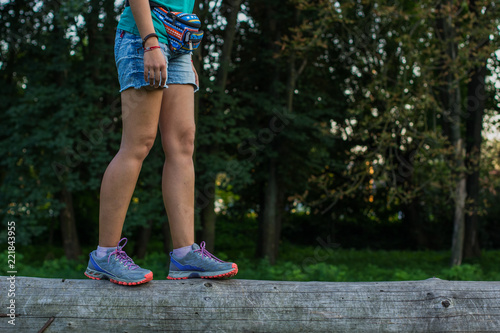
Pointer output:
x,y
183,29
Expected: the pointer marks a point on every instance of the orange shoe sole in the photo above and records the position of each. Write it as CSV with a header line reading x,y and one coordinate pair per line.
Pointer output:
x,y
148,277
220,276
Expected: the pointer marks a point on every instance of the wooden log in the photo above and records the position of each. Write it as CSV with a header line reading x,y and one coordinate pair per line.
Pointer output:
x,y
200,305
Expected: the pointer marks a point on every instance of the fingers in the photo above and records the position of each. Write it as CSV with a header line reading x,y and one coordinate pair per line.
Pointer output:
x,y
163,75
154,77
155,68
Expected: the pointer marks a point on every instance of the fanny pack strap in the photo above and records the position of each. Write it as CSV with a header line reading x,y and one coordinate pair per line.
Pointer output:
x,y
151,4
178,36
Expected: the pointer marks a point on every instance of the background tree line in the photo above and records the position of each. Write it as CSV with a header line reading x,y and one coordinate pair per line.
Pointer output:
x,y
360,120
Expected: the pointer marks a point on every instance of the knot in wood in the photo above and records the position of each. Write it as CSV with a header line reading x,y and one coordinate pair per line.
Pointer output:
x,y
208,285
446,303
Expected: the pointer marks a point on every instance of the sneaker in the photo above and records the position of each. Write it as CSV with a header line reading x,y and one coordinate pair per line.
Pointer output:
x,y
199,263
117,267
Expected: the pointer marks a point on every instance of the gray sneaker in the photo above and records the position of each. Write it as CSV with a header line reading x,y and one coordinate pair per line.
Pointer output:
x,y
199,263
117,267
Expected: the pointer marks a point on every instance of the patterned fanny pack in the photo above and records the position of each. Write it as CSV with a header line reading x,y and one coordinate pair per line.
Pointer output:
x,y
183,29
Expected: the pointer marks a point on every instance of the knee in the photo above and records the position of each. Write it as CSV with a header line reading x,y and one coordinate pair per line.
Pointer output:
x,y
139,150
180,143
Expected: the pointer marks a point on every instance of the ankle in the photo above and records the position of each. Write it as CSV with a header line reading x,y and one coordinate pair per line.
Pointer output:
x,y
102,250
182,251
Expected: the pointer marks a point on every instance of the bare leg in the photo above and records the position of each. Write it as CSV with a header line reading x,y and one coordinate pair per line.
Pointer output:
x,y
177,128
140,115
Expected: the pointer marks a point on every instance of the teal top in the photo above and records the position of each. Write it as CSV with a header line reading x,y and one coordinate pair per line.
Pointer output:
x,y
127,21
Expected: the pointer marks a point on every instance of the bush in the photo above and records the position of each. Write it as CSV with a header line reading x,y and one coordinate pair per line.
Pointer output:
x,y
300,263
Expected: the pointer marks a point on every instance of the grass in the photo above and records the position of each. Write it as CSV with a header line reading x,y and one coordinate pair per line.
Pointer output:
x,y
321,263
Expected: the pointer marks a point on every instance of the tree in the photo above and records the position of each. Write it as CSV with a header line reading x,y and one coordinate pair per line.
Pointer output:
x,y
476,104
229,11
405,85
54,124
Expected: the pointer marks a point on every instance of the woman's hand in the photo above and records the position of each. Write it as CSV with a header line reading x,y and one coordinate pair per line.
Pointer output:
x,y
155,65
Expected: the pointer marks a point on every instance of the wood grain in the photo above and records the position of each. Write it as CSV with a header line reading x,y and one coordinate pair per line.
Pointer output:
x,y
200,305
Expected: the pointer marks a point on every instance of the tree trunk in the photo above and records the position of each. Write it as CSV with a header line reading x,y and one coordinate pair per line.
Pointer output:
x,y
454,106
167,243
232,10
431,305
269,221
197,59
68,226
197,63
275,189
460,186
94,37
208,216
457,246
473,147
475,110
259,251
142,243
415,224
451,103
280,208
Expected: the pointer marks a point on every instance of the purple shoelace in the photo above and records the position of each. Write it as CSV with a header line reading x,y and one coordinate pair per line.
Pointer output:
x,y
122,256
204,252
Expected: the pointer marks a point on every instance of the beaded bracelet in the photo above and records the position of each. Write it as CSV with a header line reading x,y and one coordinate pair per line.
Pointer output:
x,y
151,48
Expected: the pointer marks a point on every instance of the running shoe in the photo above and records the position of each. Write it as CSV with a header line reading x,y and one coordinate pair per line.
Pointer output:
x,y
117,267
199,263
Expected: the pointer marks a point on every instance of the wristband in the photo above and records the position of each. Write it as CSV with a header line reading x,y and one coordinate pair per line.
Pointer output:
x,y
147,37
151,48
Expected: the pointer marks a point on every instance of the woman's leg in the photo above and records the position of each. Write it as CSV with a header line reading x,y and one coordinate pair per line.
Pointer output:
x,y
140,115
177,128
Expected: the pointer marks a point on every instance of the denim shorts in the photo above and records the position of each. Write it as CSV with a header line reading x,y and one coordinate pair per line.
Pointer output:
x,y
129,58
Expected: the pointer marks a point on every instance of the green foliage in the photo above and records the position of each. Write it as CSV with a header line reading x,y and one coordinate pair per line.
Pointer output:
x,y
147,200
59,126
465,272
341,266
344,96
156,262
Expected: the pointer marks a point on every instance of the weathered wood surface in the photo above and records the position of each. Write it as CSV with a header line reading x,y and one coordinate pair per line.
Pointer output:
x,y
200,305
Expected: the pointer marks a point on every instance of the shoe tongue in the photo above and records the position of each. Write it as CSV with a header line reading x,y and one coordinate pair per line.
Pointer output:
x,y
195,246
